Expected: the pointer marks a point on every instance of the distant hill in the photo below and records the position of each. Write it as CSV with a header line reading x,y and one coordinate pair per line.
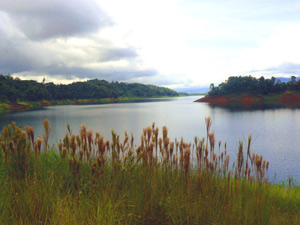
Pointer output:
x,y
248,91
255,86
286,79
14,89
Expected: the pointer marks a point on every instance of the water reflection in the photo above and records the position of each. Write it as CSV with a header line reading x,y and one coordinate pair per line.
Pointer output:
x,y
253,107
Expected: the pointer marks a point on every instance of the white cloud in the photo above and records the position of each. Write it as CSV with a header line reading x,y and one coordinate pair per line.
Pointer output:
x,y
281,47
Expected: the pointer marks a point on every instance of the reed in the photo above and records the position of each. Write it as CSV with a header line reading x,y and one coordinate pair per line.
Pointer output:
x,y
89,180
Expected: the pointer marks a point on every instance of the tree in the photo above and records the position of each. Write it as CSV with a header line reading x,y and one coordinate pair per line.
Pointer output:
x,y
293,79
273,79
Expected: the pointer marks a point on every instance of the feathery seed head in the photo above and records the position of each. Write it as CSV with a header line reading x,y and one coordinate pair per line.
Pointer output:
x,y
39,143
46,124
66,140
60,147
90,137
165,132
64,152
208,124
149,133
81,153
156,132
78,140
69,129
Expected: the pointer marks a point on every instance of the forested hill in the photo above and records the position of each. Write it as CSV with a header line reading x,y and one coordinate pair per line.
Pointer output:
x,y
253,86
14,89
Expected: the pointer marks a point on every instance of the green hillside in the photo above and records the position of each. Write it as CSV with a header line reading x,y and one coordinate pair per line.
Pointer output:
x,y
15,90
253,86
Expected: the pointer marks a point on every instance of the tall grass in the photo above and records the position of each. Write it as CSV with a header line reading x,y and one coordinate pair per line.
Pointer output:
x,y
89,180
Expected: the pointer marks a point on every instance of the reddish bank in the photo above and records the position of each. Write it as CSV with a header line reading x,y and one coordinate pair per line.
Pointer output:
x,y
286,99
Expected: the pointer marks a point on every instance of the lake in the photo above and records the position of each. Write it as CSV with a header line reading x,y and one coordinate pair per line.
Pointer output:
x,y
275,132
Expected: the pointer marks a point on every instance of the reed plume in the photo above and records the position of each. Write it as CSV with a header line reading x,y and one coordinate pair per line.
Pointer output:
x,y
47,131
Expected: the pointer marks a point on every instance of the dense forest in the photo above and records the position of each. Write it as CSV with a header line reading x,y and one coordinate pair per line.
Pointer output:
x,y
253,86
14,89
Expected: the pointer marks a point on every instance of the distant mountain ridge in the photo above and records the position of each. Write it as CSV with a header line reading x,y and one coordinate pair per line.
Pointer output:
x,y
286,79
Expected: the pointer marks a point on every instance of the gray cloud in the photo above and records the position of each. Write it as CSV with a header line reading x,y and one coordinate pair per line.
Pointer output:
x,y
115,54
159,79
14,56
286,68
40,20
6,65
110,74
59,59
22,56
19,63
16,60
31,44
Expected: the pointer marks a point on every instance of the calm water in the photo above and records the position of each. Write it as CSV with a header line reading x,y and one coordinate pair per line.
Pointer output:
x,y
275,132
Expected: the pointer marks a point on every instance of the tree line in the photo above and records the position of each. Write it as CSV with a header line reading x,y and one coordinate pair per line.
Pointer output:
x,y
15,89
253,86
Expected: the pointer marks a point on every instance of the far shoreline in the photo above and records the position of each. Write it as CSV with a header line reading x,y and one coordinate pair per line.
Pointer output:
x,y
9,107
286,99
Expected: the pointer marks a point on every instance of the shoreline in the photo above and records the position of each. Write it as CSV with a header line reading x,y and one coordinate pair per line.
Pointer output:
x,y
26,106
287,99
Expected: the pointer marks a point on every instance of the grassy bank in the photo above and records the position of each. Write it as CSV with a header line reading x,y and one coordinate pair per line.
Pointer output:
x,y
22,106
88,180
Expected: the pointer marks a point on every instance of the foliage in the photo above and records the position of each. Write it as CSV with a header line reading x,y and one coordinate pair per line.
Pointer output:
x,y
90,180
253,86
14,89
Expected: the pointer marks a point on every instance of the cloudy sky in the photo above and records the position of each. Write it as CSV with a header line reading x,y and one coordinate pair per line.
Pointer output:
x,y
173,43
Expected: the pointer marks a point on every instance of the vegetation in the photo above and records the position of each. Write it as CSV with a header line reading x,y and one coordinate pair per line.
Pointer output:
x,y
15,90
89,180
252,86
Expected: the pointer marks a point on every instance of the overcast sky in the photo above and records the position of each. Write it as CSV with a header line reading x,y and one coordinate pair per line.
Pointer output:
x,y
173,43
